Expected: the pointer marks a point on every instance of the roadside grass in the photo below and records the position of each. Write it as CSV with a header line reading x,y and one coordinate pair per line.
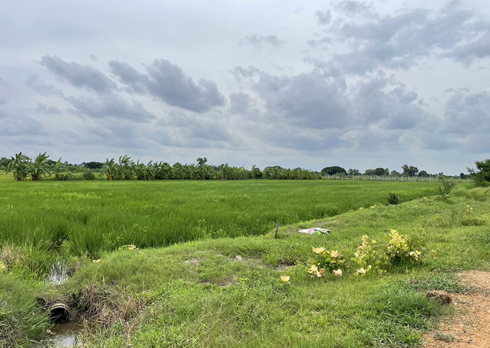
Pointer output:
x,y
75,218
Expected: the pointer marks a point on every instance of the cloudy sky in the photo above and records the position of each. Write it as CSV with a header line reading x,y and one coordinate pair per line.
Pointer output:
x,y
294,83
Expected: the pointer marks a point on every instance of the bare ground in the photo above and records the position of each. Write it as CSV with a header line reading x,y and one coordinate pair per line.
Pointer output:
x,y
470,326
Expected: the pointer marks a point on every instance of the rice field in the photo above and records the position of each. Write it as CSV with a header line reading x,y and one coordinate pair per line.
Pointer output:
x,y
93,217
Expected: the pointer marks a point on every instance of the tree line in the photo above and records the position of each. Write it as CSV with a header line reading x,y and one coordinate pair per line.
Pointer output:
x,y
407,170
22,167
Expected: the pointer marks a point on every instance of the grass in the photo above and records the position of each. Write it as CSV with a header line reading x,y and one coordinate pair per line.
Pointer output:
x,y
227,292
94,217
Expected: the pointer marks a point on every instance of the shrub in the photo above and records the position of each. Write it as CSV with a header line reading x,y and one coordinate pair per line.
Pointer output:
x,y
392,198
88,175
446,187
325,261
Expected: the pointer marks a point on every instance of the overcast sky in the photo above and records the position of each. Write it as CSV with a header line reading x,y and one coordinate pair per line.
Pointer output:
x,y
293,83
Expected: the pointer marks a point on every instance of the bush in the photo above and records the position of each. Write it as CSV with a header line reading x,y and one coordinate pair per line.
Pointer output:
x,y
446,187
88,175
482,178
392,198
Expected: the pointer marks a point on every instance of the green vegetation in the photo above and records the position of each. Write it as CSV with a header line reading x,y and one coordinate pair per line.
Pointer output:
x,y
482,178
76,217
228,291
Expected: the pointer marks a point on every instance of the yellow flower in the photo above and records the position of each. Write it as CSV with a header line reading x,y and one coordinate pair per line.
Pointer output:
x,y
131,247
2,266
361,271
361,208
338,272
373,206
285,278
313,269
334,253
318,250
97,261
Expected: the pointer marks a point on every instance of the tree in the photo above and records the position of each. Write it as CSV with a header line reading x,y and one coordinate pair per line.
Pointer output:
x,y
93,165
423,173
39,166
395,173
4,162
410,171
482,178
354,172
381,171
334,170
19,166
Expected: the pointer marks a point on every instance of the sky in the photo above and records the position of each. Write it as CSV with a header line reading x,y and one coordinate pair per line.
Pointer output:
x,y
356,84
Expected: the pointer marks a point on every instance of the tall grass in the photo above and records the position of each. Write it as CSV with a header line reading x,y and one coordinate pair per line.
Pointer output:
x,y
100,216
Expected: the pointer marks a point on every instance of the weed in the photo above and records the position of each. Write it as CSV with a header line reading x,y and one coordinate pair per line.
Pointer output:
x,y
393,198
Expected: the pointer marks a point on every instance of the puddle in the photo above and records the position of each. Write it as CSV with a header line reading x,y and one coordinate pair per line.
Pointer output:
x,y
65,334
58,273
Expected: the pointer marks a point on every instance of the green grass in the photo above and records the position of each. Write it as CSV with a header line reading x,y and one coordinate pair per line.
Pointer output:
x,y
226,292
101,216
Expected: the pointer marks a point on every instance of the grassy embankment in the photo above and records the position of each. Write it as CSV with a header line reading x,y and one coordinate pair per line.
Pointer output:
x,y
202,294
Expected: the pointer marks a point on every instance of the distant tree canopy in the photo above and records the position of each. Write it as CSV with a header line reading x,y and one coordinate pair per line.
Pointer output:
x,y
423,173
334,170
381,171
482,178
354,172
410,171
92,165
4,162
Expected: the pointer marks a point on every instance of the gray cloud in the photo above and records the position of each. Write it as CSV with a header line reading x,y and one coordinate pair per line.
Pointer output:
x,y
110,106
240,103
308,100
168,82
79,75
41,108
354,7
190,130
313,102
467,113
38,86
93,58
16,123
399,41
258,42
324,17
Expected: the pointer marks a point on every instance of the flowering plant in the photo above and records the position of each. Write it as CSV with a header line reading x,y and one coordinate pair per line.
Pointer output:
x,y
325,261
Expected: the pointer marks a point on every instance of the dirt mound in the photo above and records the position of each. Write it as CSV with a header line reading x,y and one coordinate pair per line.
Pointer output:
x,y
470,326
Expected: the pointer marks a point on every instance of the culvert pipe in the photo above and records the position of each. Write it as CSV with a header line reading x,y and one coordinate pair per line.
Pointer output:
x,y
59,313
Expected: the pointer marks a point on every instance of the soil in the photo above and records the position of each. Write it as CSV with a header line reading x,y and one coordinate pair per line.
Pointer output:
x,y
470,325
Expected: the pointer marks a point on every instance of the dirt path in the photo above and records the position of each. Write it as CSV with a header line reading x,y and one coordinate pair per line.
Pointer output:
x,y
470,326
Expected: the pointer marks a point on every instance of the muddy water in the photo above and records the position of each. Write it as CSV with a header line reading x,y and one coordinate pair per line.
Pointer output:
x,y
65,334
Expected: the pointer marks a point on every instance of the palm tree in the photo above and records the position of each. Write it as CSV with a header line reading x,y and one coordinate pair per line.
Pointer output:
x,y
19,166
